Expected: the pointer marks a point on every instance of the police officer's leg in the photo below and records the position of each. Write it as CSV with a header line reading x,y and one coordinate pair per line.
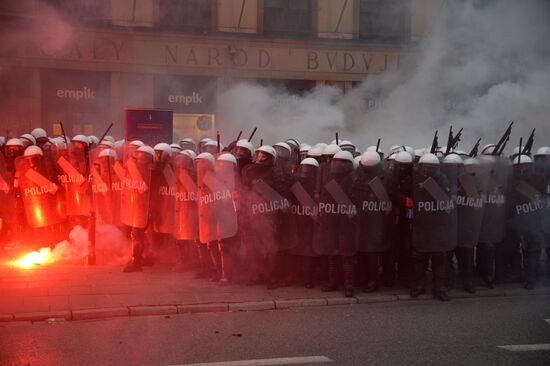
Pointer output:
x,y
419,265
215,257
137,239
488,273
450,270
372,272
332,284
439,269
465,258
348,263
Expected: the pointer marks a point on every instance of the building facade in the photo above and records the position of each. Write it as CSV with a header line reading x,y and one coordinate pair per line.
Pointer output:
x,y
82,62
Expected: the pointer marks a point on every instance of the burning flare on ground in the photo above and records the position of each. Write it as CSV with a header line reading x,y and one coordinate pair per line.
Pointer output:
x,y
43,256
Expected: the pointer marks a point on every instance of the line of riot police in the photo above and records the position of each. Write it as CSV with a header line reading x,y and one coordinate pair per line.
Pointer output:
x,y
291,212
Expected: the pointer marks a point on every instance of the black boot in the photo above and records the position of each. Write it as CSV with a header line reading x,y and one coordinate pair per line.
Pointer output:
x,y
489,275
348,266
372,273
439,269
135,264
465,257
332,284
419,265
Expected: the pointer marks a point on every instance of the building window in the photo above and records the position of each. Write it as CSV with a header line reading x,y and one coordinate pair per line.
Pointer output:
x,y
382,20
188,16
81,12
292,18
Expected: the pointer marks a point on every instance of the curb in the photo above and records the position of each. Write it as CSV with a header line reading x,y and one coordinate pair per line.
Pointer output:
x,y
133,311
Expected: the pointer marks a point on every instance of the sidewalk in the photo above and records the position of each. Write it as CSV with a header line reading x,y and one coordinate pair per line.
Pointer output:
x,y
77,292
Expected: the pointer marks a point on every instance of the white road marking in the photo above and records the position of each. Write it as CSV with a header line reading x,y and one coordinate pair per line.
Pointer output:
x,y
267,361
526,347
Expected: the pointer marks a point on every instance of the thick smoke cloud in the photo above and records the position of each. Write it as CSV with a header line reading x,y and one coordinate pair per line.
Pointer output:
x,y
481,65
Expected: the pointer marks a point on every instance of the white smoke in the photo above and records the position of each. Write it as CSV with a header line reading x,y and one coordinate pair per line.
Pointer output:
x,y
479,67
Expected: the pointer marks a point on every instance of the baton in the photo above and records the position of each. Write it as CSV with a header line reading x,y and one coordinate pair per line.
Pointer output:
x,y
378,144
252,134
105,134
63,131
337,139
218,140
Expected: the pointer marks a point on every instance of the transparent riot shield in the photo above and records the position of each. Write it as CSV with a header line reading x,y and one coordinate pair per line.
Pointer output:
x,y
136,190
303,215
374,215
186,225
107,188
495,174
337,228
73,178
205,199
469,205
38,192
163,198
434,215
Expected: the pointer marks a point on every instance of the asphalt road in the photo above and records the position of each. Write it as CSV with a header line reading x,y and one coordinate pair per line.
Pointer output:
x,y
462,332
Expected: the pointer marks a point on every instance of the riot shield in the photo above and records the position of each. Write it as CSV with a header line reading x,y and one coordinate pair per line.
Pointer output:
x,y
262,206
374,215
542,171
163,198
526,207
136,191
337,229
217,217
72,175
186,226
38,192
434,215
107,186
224,182
304,211
469,206
495,173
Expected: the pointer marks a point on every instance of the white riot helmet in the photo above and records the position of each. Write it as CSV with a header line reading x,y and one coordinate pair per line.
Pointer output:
x,y
245,144
108,153
39,134
522,159
191,153
176,148
488,149
33,150
370,158
344,155
147,149
81,138
404,157
15,142
265,154
341,163
315,152
332,150
206,156
283,150
543,151
308,168
310,161
429,159
28,139
107,144
93,140
227,157
137,143
109,138
212,147
347,146
452,158
163,151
